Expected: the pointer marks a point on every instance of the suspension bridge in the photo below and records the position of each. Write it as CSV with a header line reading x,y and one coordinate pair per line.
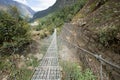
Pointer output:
x,y
48,68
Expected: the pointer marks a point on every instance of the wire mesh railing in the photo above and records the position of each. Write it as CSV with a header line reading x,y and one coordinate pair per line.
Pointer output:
x,y
98,58
48,68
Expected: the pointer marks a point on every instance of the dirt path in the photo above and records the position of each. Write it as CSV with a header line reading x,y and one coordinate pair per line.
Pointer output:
x,y
66,54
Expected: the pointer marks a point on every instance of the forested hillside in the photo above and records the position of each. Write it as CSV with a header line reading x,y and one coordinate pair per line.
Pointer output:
x,y
58,5
59,17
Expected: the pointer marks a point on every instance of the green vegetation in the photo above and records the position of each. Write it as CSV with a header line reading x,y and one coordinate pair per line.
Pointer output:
x,y
10,67
14,31
14,38
96,4
109,37
58,18
72,71
20,67
108,34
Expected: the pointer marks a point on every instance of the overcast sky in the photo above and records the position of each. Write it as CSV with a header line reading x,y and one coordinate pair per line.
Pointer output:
x,y
38,5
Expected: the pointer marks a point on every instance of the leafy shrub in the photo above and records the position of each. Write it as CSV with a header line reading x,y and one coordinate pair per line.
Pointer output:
x,y
72,71
14,31
107,35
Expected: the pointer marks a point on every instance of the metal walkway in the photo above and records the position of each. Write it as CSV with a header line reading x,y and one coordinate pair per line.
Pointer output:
x,y
49,66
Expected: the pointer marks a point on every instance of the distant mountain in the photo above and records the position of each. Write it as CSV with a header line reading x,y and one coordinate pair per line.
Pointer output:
x,y
24,10
59,4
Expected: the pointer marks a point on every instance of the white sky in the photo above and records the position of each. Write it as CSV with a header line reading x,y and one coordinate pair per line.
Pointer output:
x,y
37,5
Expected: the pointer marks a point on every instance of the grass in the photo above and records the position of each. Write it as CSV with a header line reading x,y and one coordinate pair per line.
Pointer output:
x,y
26,75
8,67
32,62
22,74
72,71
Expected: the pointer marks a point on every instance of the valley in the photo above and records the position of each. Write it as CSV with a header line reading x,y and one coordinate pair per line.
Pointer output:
x,y
83,37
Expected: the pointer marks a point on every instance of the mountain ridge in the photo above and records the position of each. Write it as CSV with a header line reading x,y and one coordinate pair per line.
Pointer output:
x,y
24,10
58,4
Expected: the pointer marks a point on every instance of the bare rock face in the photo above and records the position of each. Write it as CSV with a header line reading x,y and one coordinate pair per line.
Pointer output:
x,y
94,32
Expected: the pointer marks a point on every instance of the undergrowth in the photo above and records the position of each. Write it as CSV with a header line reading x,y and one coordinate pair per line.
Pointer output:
x,y
72,71
11,71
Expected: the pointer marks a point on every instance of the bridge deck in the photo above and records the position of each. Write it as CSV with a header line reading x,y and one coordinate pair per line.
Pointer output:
x,y
49,66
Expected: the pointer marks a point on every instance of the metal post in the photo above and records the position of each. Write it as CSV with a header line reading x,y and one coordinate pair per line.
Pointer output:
x,y
101,75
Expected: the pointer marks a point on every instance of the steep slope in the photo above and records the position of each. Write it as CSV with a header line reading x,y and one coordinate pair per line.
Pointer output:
x,y
24,10
56,6
96,28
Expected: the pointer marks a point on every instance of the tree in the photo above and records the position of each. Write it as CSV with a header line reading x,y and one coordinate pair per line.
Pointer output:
x,y
14,31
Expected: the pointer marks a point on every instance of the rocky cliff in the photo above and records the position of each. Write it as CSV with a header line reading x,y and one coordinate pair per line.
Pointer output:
x,y
96,28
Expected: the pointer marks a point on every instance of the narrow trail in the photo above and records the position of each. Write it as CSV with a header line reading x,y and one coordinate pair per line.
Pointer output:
x,y
68,55
48,68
